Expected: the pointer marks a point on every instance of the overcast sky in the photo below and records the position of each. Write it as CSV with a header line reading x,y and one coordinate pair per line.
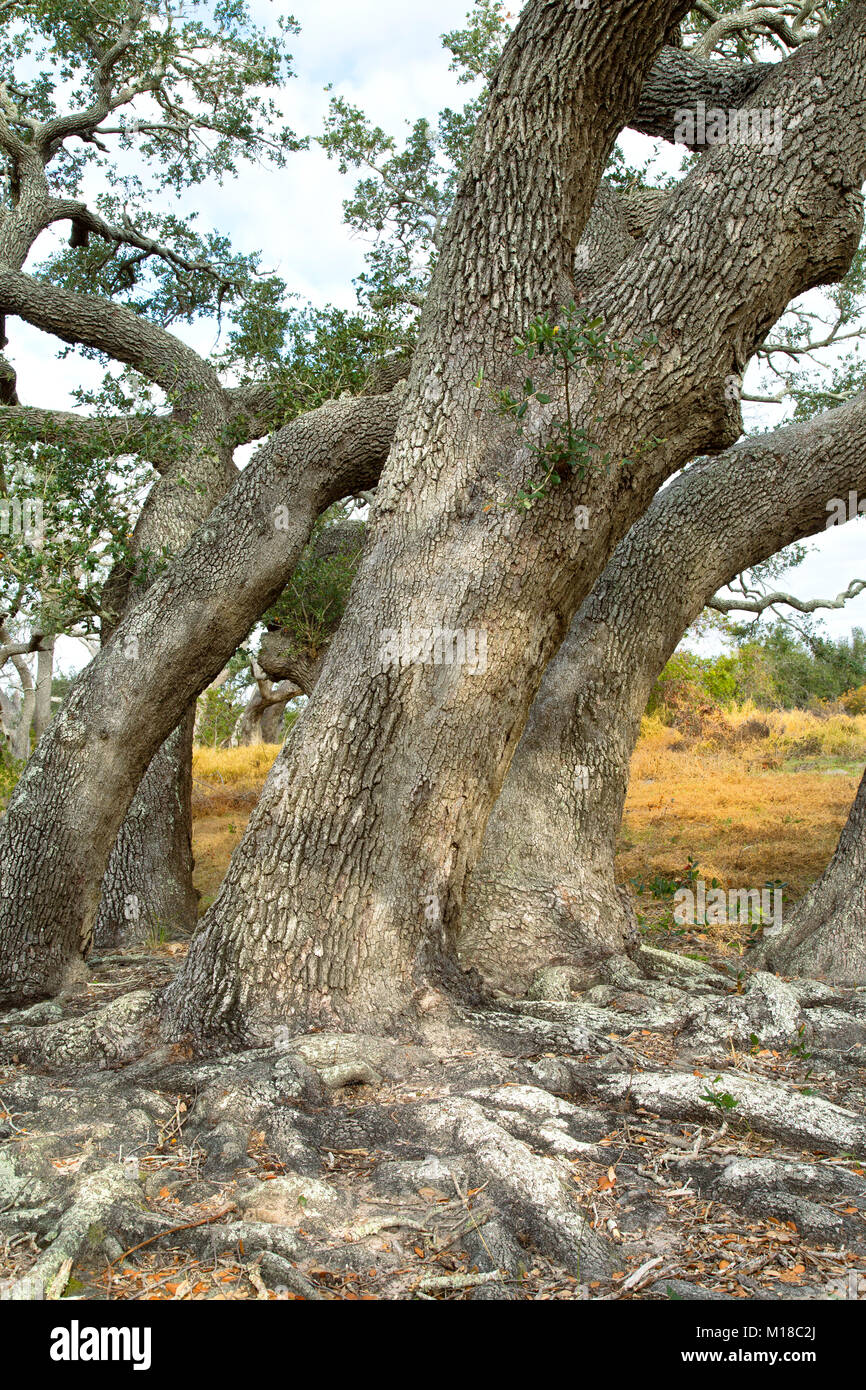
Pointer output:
x,y
388,58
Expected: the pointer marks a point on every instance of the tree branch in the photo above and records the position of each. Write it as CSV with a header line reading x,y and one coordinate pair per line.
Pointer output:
x,y
83,217
10,648
680,79
51,135
118,434
115,330
759,602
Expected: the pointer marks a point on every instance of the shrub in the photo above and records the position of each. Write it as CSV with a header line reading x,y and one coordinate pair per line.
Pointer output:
x,y
854,701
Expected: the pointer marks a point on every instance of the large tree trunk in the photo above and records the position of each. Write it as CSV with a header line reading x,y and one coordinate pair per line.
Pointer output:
x,y
148,888
826,937
340,904
343,900
544,891
741,253
148,885
60,826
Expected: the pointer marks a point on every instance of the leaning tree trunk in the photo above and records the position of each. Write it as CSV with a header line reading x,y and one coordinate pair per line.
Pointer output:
x,y
65,814
148,887
560,97
544,891
826,937
342,902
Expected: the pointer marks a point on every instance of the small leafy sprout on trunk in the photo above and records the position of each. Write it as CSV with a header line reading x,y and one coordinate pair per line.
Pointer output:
x,y
575,344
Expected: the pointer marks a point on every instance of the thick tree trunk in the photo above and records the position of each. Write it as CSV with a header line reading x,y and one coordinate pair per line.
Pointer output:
x,y
60,826
343,900
741,253
147,889
544,891
826,937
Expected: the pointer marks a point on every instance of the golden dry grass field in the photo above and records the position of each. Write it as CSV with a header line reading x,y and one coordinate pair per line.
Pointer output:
x,y
744,797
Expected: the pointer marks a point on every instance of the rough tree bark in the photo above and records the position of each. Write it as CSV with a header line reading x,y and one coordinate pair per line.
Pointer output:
x,y
544,891
255,408
173,643
147,887
148,882
343,900
826,937
741,254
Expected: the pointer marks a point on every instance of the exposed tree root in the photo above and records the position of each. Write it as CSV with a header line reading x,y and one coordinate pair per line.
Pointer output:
x,y
566,1146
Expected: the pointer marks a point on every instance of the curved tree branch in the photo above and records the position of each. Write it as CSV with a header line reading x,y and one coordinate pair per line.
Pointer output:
x,y
111,328
759,603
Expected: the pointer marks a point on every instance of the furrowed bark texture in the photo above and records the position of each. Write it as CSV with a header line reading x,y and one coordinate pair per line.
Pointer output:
x,y
716,270
544,891
826,937
345,895
148,885
111,328
340,902
147,889
60,826
679,80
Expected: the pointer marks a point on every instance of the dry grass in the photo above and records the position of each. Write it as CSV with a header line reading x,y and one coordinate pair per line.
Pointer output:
x,y
234,767
226,786
745,796
753,797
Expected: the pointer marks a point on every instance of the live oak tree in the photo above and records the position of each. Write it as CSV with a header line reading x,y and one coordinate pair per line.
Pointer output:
x,y
139,100
345,897
87,91
343,900
544,892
